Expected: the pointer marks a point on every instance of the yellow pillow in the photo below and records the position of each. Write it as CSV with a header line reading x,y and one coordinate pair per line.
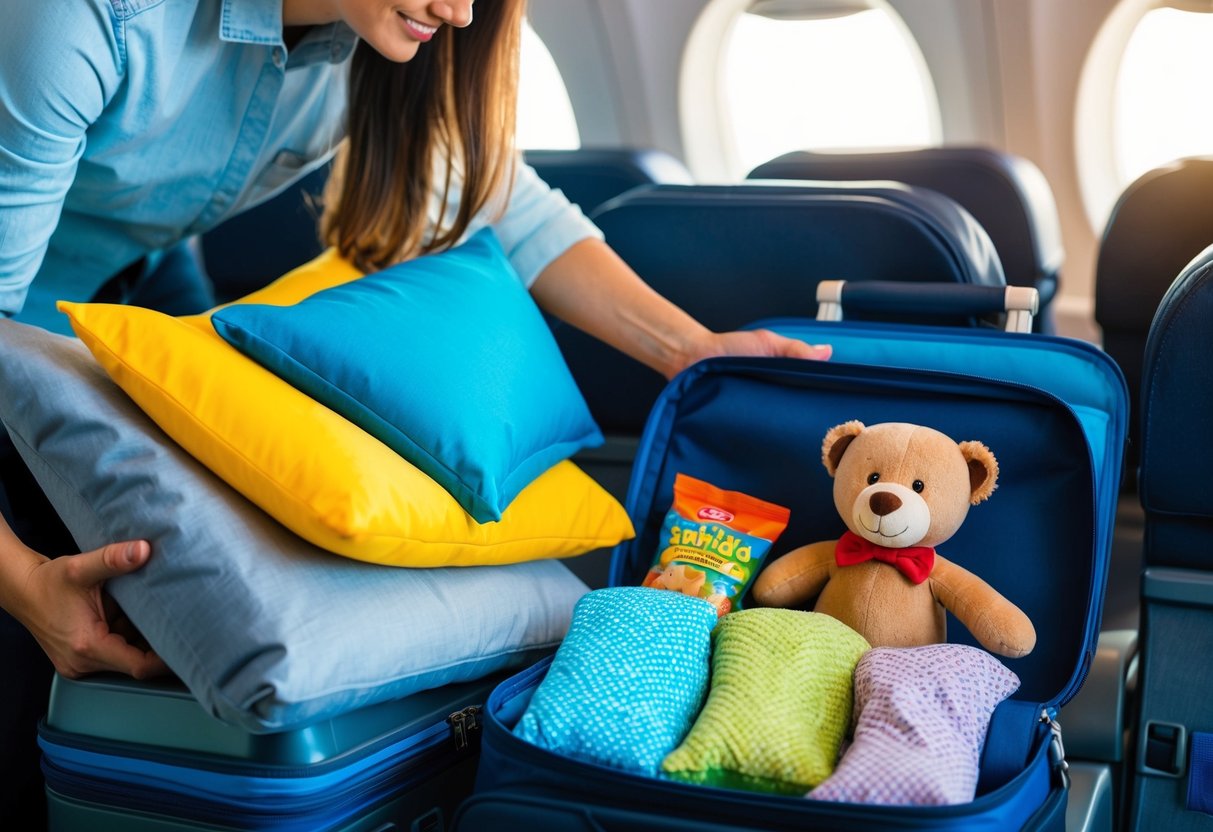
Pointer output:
x,y
318,474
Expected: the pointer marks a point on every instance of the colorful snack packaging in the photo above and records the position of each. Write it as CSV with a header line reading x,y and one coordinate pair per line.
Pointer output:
x,y
713,542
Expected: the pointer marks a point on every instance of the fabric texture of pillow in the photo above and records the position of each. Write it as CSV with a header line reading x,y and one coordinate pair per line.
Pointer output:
x,y
922,719
267,631
779,706
444,358
628,680
317,473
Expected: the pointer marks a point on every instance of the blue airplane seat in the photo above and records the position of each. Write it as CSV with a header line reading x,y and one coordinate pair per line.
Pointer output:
x,y
1161,221
265,242
1173,778
590,176
733,254
1007,194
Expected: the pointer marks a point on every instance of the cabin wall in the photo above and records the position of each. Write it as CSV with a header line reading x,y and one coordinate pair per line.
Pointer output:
x,y
1043,46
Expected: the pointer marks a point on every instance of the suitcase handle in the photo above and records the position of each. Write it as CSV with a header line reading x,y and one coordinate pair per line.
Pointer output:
x,y
1020,303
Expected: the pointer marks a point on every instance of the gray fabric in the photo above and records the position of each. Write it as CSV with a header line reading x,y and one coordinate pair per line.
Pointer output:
x,y
265,629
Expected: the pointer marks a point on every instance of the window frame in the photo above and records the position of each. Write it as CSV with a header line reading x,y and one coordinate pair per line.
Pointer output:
x,y
708,137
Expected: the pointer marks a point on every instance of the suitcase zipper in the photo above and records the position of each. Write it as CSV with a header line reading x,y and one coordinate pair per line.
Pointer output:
x,y
1057,749
465,726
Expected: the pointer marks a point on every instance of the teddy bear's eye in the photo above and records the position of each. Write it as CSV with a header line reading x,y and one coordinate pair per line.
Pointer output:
x,y
873,478
918,486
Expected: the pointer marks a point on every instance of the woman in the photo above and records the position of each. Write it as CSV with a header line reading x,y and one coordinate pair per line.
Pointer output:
x,y
128,125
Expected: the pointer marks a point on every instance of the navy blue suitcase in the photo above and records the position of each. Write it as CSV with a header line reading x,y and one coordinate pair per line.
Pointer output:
x,y
1052,410
127,756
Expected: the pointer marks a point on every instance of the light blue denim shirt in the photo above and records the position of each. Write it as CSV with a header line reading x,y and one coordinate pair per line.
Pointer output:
x,y
126,125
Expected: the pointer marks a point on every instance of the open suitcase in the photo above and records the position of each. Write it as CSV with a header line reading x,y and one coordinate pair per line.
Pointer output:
x,y
127,756
1054,413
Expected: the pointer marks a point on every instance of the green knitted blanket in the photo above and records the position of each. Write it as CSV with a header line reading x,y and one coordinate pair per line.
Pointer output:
x,y
779,704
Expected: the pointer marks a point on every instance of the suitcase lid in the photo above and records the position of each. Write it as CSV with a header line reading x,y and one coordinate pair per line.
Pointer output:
x,y
1053,411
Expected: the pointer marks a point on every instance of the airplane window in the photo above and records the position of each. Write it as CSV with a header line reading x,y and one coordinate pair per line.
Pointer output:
x,y
545,113
1163,78
835,82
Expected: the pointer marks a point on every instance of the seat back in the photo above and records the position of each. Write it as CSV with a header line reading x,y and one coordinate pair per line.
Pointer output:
x,y
265,242
1175,727
1159,224
1177,410
268,240
1007,194
591,176
733,254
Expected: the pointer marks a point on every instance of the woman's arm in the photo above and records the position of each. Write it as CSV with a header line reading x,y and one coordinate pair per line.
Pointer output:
x,y
60,64
590,287
572,274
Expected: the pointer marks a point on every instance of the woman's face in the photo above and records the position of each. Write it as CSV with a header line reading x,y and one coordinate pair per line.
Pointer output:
x,y
396,29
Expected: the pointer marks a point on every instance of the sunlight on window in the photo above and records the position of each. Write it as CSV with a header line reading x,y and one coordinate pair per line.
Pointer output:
x,y
1161,92
545,114
843,83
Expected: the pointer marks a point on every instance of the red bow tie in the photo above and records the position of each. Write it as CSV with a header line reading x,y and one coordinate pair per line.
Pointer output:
x,y
915,562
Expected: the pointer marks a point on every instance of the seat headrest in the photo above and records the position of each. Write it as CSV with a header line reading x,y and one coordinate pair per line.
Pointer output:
x,y
1007,194
1161,221
730,255
591,176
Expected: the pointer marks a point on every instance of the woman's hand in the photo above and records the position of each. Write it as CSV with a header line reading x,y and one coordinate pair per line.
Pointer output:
x,y
590,287
80,628
761,342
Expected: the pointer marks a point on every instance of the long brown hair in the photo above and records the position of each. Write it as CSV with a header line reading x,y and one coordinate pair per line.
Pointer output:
x,y
453,103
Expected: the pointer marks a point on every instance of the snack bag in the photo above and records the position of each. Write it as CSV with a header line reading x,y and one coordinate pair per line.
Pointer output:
x,y
713,542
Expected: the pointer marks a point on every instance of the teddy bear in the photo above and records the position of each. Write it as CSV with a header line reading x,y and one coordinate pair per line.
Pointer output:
x,y
901,490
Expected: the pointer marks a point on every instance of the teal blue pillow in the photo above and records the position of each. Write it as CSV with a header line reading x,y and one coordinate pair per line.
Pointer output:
x,y
445,359
627,681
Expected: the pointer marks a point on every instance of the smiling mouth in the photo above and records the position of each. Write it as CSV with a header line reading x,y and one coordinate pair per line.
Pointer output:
x,y
418,30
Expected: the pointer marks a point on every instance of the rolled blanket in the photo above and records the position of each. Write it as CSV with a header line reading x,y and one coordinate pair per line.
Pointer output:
x,y
779,705
922,719
627,681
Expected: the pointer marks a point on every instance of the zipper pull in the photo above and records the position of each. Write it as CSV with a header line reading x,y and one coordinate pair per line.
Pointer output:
x,y
465,724
1057,749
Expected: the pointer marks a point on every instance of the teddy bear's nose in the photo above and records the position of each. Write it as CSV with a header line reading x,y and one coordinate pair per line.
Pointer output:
x,y
884,502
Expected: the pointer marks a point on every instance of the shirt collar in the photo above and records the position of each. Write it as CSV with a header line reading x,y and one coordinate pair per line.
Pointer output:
x,y
260,21
251,21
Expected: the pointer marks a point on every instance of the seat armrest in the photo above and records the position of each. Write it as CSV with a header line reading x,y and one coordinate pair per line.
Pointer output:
x,y
1089,805
1094,720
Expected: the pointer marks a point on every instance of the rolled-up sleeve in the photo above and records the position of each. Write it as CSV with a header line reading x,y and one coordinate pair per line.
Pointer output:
x,y
60,63
539,225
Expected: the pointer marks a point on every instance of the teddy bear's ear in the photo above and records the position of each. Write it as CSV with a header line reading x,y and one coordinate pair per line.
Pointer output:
x,y
836,442
983,470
